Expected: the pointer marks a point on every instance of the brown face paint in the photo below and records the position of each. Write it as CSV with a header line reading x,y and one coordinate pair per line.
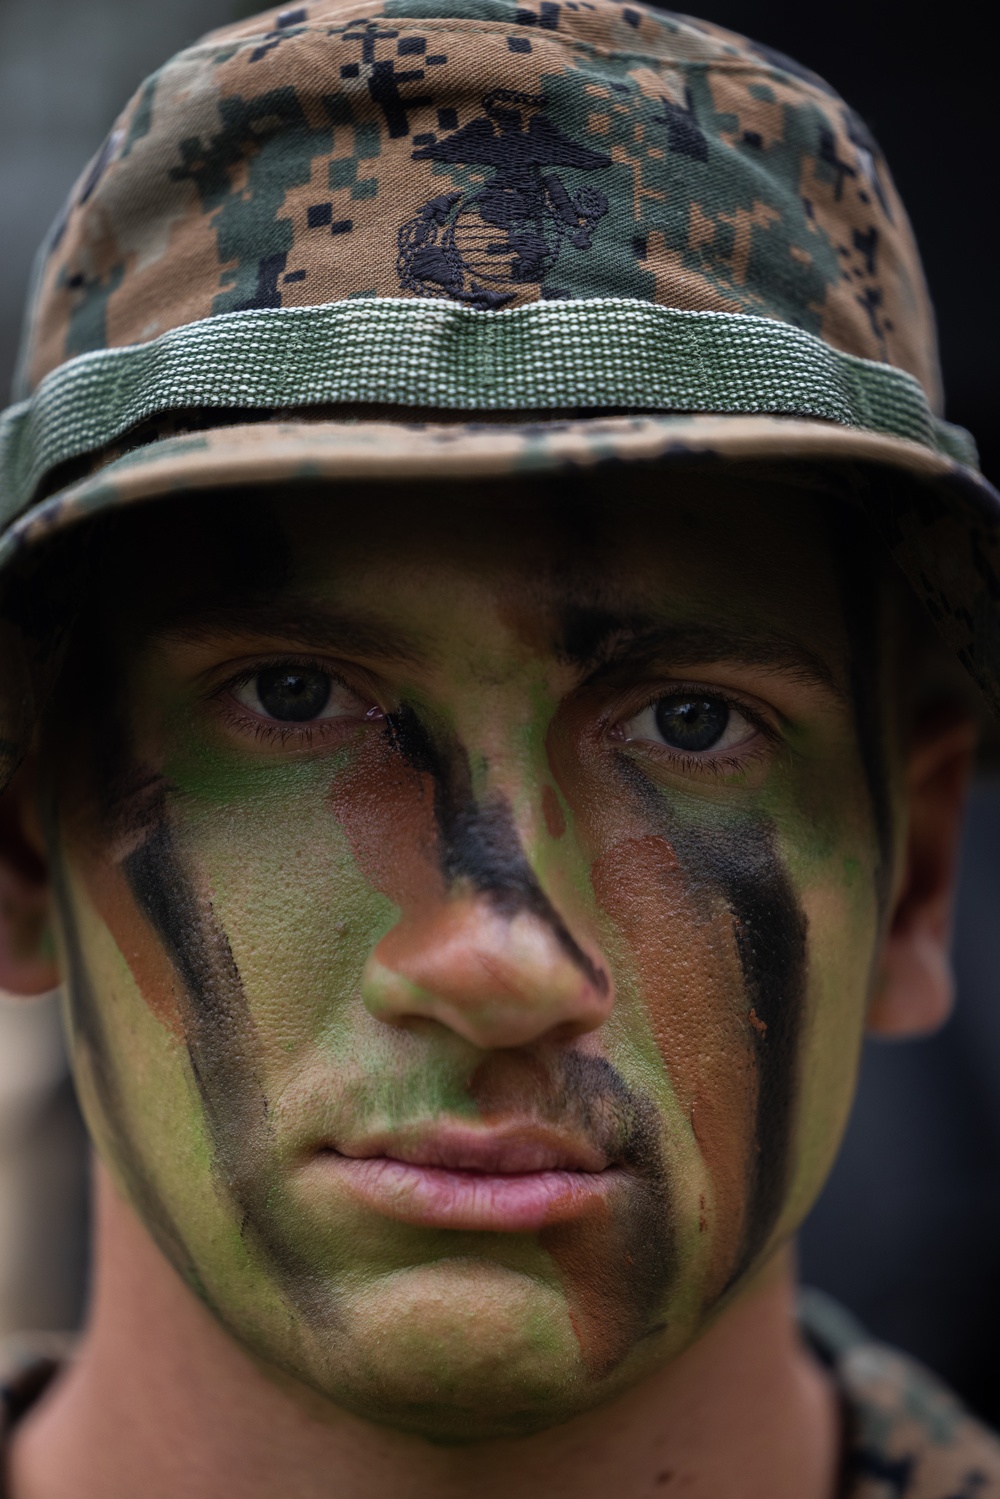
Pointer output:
x,y
129,822
685,954
741,864
387,808
616,1264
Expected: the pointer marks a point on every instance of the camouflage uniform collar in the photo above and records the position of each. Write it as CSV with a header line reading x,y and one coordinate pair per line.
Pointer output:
x,y
906,1436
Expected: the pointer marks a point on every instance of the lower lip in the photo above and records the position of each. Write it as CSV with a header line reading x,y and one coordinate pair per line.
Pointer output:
x,y
434,1197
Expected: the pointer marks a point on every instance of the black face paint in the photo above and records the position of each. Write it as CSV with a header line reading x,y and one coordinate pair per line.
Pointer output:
x,y
93,700
616,1270
217,1025
742,864
771,941
89,1033
479,842
222,1046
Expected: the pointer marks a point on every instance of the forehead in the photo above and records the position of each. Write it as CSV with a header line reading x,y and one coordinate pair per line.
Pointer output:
x,y
567,568
562,561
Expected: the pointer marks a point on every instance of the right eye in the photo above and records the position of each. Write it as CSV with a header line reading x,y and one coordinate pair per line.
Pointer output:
x,y
692,722
297,694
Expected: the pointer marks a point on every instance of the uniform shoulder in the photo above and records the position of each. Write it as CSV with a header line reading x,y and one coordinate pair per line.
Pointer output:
x,y
907,1436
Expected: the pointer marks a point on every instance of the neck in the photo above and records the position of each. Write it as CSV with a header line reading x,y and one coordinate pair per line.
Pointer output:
x,y
161,1401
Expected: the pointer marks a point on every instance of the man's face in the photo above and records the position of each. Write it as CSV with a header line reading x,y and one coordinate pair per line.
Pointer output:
x,y
469,905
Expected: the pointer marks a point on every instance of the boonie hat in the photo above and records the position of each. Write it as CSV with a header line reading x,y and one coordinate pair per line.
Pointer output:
x,y
448,238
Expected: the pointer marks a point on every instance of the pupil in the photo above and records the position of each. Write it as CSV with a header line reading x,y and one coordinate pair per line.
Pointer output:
x,y
692,723
293,694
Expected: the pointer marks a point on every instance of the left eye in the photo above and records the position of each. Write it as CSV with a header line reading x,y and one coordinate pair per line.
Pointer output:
x,y
296,694
691,722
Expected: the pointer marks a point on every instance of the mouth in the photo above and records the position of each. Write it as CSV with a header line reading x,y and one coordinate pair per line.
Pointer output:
x,y
510,1180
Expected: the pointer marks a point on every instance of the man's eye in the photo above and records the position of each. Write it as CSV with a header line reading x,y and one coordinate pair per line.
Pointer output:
x,y
295,694
692,723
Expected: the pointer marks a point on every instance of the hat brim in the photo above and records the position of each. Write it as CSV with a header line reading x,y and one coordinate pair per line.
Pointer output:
x,y
954,568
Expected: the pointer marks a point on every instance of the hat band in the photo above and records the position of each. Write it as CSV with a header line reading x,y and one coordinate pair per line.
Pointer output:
x,y
601,352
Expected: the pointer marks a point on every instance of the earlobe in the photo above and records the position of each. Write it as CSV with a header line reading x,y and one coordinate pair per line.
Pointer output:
x,y
914,987
27,957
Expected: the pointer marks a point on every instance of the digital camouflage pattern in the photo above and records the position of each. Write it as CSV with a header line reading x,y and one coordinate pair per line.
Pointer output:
x,y
906,1435
493,154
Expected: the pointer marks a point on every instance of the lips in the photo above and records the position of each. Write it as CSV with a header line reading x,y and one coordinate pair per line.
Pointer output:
x,y
514,1179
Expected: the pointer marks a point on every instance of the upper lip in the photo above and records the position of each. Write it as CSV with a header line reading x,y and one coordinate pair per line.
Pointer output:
x,y
504,1150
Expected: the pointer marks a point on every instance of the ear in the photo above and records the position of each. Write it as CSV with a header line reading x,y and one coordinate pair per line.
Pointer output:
x,y
27,957
915,986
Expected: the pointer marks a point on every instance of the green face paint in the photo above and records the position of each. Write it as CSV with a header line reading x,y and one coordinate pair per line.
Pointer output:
x,y
469,906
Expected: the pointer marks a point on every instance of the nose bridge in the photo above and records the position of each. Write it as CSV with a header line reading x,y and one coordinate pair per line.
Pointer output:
x,y
504,829
495,959
503,738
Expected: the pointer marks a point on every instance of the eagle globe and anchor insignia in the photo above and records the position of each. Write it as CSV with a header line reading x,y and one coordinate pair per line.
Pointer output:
x,y
481,247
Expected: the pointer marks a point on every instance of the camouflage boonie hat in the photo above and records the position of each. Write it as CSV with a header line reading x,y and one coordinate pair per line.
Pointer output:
x,y
412,238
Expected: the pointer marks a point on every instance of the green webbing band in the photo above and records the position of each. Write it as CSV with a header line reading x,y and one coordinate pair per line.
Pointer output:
x,y
595,353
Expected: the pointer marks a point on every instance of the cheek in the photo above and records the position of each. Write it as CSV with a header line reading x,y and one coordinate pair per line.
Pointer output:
x,y
112,899
386,811
842,913
684,965
281,879
302,873
672,943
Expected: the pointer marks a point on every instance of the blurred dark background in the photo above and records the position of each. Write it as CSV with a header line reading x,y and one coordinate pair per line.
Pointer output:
x,y
907,1232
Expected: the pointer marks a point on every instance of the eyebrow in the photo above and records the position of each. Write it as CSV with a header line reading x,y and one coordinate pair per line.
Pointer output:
x,y
601,645
617,647
300,624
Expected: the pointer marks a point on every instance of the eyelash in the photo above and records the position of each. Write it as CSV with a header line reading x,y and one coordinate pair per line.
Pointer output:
x,y
726,763
723,765
306,735
272,731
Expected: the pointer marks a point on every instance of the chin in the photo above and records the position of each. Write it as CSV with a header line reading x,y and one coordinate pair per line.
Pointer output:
x,y
457,1352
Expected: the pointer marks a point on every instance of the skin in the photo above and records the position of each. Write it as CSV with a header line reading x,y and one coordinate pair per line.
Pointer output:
x,y
483,898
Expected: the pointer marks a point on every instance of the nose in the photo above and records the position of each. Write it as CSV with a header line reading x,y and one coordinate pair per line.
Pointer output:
x,y
496,977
